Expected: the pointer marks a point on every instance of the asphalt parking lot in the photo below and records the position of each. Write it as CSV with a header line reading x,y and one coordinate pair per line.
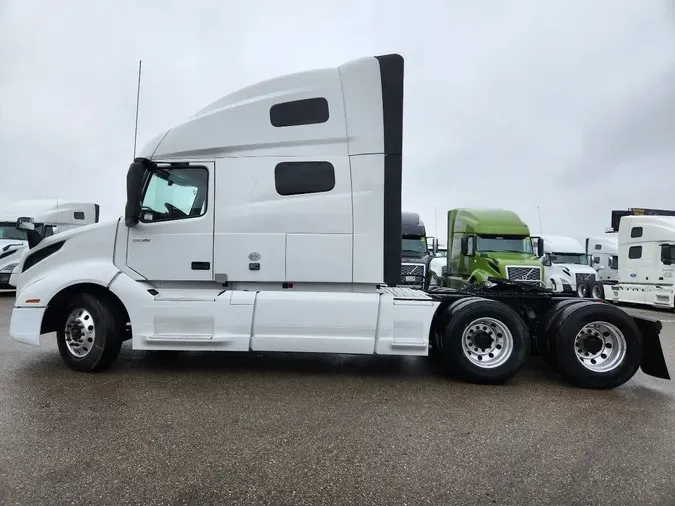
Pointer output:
x,y
165,428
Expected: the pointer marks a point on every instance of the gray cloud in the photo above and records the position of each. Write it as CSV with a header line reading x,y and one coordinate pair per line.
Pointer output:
x,y
563,105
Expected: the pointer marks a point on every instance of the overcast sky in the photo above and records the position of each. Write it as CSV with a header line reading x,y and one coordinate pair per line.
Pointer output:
x,y
567,105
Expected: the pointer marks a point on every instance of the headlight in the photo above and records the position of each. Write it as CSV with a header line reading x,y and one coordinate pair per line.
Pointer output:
x,y
9,267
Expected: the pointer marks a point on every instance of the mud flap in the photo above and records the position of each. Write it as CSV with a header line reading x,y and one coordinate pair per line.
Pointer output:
x,y
653,361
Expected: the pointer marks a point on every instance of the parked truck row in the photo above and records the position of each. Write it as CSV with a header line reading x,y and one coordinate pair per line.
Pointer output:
x,y
231,215
617,267
49,217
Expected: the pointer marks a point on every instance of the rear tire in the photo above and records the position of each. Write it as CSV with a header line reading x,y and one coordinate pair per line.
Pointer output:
x,y
597,346
598,291
582,289
91,333
484,341
546,339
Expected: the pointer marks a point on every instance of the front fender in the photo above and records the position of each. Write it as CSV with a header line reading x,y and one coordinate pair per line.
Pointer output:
x,y
480,275
40,290
560,282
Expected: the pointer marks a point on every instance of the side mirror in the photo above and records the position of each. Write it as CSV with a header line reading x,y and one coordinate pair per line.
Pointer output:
x,y
540,246
546,261
468,245
25,223
667,254
135,175
435,246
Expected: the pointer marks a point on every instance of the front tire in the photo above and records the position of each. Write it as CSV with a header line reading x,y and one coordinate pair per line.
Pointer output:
x,y
484,341
91,333
582,289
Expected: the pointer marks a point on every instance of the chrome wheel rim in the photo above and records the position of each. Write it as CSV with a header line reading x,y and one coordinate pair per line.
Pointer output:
x,y
487,343
581,292
80,332
600,347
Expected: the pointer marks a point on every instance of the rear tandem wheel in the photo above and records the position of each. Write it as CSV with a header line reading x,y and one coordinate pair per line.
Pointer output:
x,y
483,340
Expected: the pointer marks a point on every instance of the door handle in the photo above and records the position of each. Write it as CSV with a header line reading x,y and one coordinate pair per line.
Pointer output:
x,y
201,266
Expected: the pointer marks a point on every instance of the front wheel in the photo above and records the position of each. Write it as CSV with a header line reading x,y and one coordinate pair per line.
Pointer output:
x,y
582,289
91,334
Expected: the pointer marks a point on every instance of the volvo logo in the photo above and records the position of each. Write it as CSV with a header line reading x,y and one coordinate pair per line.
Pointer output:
x,y
527,274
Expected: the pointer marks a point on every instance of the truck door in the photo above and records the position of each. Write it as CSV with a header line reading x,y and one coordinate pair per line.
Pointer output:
x,y
173,240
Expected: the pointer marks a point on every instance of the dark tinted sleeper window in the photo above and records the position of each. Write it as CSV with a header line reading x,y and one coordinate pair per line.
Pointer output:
x,y
636,232
598,246
295,178
635,252
78,215
308,111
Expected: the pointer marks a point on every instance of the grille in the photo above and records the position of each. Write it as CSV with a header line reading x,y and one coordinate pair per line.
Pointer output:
x,y
584,276
412,269
416,270
524,273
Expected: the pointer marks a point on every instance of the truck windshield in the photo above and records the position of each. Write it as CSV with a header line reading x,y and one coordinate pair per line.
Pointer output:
x,y
8,231
413,244
514,243
569,258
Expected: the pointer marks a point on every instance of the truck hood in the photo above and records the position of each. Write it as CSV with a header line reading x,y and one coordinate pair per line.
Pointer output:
x,y
573,269
415,259
84,229
498,261
11,242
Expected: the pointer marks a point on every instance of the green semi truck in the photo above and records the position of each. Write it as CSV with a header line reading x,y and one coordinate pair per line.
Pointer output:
x,y
485,243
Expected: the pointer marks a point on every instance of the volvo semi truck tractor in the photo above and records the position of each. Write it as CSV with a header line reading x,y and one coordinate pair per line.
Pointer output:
x,y
415,256
566,266
230,216
49,217
490,243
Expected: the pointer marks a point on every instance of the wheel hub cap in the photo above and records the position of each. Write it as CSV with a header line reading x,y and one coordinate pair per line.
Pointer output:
x,y
80,332
487,342
600,347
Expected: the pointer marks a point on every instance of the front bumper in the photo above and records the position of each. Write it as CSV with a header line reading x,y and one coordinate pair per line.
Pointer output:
x,y
4,281
25,324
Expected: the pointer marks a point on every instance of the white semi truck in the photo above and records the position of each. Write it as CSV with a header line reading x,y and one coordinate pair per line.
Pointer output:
x,y
49,217
224,218
603,255
646,262
566,266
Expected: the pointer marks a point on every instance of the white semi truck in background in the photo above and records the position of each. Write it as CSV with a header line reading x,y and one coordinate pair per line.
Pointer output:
x,y
228,221
646,262
566,266
603,256
50,216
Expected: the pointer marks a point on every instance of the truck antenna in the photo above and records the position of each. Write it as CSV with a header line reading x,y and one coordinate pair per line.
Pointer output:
x,y
138,96
541,231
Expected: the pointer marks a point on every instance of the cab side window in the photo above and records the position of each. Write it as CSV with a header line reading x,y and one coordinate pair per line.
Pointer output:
x,y
175,194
